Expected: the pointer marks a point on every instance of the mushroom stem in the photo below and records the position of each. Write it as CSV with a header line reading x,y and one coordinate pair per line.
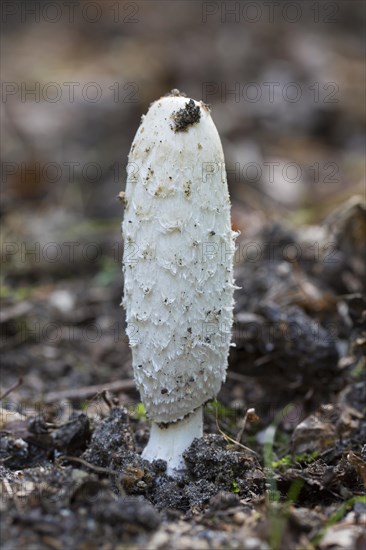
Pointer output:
x,y
170,442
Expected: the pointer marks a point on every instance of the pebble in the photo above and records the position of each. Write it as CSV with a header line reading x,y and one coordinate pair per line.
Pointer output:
x,y
239,518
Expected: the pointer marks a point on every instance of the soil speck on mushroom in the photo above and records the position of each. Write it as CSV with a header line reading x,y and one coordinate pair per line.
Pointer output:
x,y
187,116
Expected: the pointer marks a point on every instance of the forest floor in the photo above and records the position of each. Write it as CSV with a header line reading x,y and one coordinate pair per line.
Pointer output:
x,y
72,427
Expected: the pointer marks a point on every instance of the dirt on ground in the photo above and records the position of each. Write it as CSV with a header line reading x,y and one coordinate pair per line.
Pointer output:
x,y
282,463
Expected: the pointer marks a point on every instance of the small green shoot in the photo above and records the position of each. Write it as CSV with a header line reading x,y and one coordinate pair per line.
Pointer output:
x,y
138,412
288,460
278,514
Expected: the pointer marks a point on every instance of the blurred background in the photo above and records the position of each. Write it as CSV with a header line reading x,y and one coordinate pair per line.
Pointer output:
x,y
285,82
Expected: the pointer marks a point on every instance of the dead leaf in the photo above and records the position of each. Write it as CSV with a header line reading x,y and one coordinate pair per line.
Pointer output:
x,y
359,464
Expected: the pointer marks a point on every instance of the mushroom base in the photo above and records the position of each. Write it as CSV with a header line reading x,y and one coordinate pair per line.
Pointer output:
x,y
170,442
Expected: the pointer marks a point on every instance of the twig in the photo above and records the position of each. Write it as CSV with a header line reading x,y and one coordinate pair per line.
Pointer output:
x,y
98,469
228,438
12,388
87,391
251,414
107,399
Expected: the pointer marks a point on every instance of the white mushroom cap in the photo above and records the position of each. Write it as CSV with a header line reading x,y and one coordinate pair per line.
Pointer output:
x,y
178,259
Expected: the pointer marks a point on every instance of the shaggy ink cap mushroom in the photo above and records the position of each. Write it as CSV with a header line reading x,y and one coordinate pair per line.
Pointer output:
x,y
178,270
